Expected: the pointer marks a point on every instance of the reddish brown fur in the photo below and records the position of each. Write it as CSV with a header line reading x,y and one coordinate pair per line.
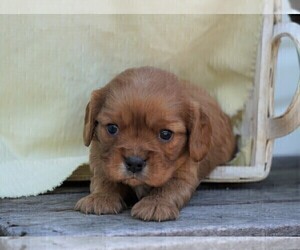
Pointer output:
x,y
142,101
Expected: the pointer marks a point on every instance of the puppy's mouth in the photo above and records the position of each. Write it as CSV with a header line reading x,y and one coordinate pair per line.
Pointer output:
x,y
133,181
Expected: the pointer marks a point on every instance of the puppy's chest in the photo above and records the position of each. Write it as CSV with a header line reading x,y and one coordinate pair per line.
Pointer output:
x,y
142,191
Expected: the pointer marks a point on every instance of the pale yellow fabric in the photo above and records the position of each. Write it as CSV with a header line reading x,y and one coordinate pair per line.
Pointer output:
x,y
50,64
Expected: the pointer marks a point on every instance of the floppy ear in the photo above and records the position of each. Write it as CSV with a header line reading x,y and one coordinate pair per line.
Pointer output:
x,y
200,132
91,111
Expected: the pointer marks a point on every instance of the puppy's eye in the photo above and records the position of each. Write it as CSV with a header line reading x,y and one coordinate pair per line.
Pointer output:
x,y
112,129
165,134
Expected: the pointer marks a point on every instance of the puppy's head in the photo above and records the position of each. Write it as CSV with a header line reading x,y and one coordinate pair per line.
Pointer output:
x,y
143,126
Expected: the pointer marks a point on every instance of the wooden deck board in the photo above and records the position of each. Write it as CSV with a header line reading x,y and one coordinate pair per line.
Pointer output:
x,y
267,208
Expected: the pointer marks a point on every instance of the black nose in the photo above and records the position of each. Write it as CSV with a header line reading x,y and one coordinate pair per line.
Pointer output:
x,y
134,164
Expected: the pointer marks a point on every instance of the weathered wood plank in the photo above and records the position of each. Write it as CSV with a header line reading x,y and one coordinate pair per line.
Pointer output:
x,y
268,208
238,220
150,243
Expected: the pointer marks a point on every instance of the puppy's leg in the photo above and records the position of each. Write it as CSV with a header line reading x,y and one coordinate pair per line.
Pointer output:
x,y
106,198
163,203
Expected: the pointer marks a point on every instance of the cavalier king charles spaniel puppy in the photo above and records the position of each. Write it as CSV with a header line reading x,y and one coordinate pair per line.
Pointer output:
x,y
153,138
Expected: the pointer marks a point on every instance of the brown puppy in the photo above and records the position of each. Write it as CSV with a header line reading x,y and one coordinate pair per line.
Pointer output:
x,y
154,135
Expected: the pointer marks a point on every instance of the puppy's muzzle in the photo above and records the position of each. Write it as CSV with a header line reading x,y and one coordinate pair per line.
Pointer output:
x,y
134,164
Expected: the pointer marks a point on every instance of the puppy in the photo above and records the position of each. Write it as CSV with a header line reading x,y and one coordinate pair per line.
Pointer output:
x,y
155,135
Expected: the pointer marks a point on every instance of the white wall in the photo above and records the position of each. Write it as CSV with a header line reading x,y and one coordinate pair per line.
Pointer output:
x,y
286,84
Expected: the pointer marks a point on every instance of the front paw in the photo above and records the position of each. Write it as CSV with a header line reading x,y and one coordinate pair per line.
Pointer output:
x,y
152,208
100,204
